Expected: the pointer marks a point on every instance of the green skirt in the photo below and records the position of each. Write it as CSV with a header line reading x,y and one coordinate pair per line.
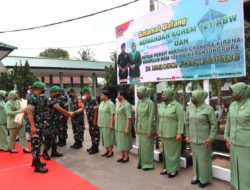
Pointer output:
x,y
240,167
171,154
202,162
124,142
146,152
4,144
107,136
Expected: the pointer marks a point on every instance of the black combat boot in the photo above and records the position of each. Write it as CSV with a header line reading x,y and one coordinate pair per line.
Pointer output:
x,y
94,150
45,155
59,142
55,153
39,168
73,146
89,149
40,163
78,145
62,143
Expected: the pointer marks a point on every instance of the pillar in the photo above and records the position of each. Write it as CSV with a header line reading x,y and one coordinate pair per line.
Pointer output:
x,y
61,79
94,82
42,78
51,80
72,81
206,88
81,81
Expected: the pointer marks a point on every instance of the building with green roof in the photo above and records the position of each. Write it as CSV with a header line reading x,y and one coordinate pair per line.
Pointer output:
x,y
63,72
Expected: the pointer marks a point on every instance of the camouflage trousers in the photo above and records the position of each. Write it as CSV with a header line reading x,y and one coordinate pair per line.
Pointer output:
x,y
50,135
78,131
36,143
94,133
62,129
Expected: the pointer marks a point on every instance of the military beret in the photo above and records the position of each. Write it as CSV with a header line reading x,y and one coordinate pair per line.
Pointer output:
x,y
39,85
55,89
84,89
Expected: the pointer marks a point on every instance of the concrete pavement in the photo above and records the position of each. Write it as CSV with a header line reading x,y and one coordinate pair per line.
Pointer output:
x,y
107,174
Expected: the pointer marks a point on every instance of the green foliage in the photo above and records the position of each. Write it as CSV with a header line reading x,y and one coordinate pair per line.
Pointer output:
x,y
6,81
113,56
110,78
23,78
86,55
20,78
54,53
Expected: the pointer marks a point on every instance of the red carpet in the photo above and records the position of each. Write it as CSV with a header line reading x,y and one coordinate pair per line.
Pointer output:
x,y
16,173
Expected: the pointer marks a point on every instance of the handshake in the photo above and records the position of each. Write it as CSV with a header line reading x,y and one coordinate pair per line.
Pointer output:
x,y
70,114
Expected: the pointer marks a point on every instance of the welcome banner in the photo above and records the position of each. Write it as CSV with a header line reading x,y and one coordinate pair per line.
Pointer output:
x,y
187,40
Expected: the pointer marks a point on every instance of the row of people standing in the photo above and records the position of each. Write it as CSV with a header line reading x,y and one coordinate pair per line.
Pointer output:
x,y
200,131
48,118
114,123
48,121
201,127
115,129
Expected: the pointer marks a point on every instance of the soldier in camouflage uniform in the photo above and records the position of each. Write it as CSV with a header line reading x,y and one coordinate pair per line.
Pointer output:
x,y
44,98
51,122
62,130
36,120
76,105
91,107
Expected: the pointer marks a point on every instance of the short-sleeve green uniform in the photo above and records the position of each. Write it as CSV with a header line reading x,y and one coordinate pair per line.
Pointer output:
x,y
123,112
105,111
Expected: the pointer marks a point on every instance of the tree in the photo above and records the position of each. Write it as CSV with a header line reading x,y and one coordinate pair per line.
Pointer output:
x,y
113,56
23,78
6,81
54,53
20,79
111,76
86,55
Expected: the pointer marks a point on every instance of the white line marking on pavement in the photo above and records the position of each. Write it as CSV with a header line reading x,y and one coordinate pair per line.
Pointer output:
x,y
8,169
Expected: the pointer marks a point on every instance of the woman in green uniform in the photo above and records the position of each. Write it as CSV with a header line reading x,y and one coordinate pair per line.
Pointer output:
x,y
106,113
237,135
145,113
122,127
12,108
170,125
201,130
4,145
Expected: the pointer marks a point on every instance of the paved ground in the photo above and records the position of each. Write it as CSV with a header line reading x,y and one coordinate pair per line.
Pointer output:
x,y
107,174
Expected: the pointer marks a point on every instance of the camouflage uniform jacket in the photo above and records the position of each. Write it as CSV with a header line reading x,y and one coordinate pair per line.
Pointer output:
x,y
35,103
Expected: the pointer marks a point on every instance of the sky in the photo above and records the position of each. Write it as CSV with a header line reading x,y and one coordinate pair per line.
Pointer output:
x,y
17,14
